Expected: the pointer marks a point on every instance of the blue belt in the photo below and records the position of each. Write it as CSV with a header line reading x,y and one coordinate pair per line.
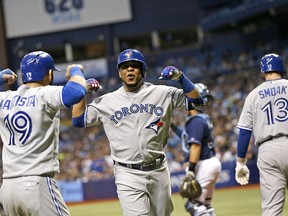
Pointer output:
x,y
144,167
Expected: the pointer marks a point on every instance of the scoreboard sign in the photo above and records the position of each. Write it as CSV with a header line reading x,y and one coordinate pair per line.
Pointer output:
x,y
31,17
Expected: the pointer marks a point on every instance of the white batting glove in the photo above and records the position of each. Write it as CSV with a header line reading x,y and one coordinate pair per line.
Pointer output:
x,y
170,73
242,173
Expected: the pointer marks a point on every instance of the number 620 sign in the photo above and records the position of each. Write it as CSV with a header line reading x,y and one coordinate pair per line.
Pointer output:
x,y
61,15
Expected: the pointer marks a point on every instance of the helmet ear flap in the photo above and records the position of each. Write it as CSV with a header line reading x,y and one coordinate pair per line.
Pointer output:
x,y
51,75
144,73
205,95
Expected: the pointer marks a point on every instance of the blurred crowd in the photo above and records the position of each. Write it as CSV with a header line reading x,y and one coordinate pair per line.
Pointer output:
x,y
84,153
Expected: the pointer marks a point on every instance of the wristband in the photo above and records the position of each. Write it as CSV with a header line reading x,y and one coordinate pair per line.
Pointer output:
x,y
196,101
186,84
76,71
238,163
192,166
6,71
2,81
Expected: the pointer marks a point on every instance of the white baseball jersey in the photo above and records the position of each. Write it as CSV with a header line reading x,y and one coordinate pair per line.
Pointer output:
x,y
265,111
136,124
30,130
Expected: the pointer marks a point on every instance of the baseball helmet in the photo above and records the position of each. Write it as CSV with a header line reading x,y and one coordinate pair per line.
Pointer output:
x,y
35,65
132,55
204,93
272,62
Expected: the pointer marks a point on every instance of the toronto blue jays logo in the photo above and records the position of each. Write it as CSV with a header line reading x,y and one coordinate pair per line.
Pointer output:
x,y
155,125
128,54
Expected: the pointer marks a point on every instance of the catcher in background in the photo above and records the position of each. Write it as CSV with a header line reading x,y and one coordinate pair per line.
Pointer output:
x,y
203,167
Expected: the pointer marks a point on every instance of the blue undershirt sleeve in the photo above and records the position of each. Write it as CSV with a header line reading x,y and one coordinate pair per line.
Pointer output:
x,y
186,84
72,93
78,121
243,142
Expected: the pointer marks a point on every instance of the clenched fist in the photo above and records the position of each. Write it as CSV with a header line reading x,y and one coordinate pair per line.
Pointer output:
x,y
93,85
170,73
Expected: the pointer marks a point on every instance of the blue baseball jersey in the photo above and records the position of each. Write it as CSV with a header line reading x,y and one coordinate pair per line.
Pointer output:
x,y
199,129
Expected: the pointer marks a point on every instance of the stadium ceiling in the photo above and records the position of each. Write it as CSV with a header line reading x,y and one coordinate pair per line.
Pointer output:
x,y
227,16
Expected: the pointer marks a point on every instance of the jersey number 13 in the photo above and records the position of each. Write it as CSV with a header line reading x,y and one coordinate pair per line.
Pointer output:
x,y
281,105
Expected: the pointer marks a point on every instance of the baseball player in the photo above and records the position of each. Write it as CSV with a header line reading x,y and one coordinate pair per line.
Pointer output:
x,y
136,119
9,77
265,115
202,163
29,129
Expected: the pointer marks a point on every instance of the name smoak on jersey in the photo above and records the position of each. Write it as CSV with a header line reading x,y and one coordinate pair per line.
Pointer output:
x,y
273,91
17,100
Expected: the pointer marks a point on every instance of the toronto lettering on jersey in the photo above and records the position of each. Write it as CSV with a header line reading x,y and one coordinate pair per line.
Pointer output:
x,y
273,91
134,109
17,100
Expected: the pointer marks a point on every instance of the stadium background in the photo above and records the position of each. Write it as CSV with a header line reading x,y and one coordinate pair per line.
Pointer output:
x,y
217,42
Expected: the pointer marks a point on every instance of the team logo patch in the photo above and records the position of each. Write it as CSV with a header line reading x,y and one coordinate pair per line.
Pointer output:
x,y
128,54
155,125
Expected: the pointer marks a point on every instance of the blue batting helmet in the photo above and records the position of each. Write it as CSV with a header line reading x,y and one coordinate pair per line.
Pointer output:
x,y
132,55
35,65
272,62
205,95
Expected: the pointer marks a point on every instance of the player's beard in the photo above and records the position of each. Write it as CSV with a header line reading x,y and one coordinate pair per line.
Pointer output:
x,y
132,85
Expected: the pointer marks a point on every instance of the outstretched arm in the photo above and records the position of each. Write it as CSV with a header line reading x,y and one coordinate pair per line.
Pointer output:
x,y
172,73
78,109
242,172
75,88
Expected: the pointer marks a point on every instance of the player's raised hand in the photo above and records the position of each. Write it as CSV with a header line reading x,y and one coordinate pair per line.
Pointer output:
x,y
170,73
73,69
7,76
242,173
93,85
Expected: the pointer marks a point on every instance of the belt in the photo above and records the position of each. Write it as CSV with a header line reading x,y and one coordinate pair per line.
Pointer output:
x,y
144,167
271,138
51,175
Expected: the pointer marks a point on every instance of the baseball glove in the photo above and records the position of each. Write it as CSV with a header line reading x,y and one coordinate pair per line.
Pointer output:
x,y
190,187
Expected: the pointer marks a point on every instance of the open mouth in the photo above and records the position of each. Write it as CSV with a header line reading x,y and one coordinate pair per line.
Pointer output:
x,y
130,76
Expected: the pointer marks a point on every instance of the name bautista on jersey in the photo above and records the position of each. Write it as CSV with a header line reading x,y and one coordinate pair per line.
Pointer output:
x,y
17,100
136,108
273,91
